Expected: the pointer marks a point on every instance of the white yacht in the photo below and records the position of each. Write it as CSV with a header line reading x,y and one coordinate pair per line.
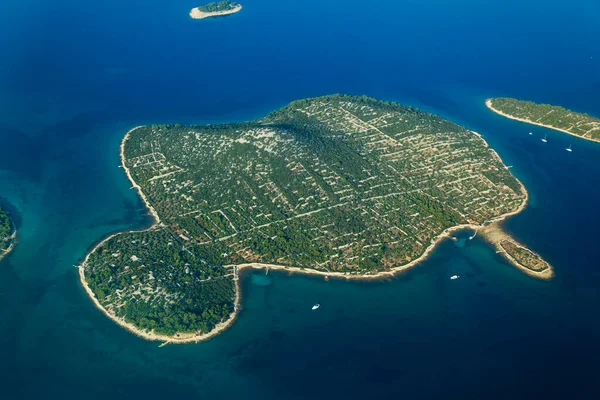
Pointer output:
x,y
531,133
545,139
569,148
317,305
453,277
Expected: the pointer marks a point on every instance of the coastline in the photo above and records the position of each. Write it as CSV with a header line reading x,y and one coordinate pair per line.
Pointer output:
x,y
488,103
486,230
135,185
179,338
495,235
11,247
195,13
12,237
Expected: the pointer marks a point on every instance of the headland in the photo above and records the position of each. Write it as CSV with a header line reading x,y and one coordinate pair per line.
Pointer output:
x,y
552,117
339,186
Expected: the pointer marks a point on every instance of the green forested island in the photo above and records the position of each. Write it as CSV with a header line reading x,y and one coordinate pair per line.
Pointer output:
x,y
7,234
553,117
218,6
215,9
338,185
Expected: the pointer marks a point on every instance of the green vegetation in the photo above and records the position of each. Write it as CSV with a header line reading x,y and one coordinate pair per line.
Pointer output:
x,y
582,125
6,231
524,256
337,183
216,7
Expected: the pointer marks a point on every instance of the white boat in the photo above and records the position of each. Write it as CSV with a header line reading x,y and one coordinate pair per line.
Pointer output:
x,y
569,148
531,133
545,139
453,277
317,305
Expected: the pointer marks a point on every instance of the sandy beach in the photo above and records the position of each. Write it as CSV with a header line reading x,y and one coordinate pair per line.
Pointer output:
x,y
489,105
195,13
490,230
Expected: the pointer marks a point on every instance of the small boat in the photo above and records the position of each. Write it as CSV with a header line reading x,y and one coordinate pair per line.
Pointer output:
x,y
453,277
531,133
545,139
569,148
317,305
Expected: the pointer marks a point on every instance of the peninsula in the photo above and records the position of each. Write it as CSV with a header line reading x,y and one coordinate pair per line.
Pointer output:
x,y
8,233
215,9
552,117
338,186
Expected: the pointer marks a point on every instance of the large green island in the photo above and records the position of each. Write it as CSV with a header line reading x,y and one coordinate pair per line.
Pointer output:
x,y
221,8
553,117
8,233
340,186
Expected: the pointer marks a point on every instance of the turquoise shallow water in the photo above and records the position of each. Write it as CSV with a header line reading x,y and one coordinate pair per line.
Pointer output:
x,y
74,79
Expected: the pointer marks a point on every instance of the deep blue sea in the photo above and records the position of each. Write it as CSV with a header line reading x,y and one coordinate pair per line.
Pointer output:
x,y
76,75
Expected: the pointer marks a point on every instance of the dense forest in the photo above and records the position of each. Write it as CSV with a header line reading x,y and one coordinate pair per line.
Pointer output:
x,y
583,125
218,6
338,183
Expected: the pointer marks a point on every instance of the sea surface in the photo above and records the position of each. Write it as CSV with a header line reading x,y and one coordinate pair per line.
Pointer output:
x,y
76,75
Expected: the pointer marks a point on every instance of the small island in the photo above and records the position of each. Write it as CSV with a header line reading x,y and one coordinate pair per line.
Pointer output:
x,y
336,186
8,233
552,117
215,9
517,254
